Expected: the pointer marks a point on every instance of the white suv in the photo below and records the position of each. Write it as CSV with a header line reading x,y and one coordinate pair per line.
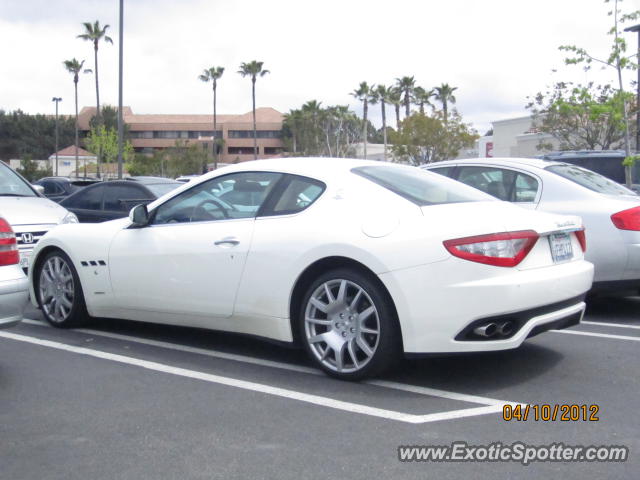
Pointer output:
x,y
29,214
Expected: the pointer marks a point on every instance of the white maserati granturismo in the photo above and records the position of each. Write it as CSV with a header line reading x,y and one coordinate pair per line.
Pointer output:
x,y
358,261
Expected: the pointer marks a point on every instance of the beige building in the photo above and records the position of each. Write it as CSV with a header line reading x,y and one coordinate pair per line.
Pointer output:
x,y
158,131
515,137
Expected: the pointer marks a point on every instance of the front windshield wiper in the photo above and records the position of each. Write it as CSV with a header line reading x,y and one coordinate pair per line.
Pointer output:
x,y
14,195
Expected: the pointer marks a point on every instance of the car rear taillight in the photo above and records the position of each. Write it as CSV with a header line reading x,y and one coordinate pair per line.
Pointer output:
x,y
506,249
582,239
627,219
8,246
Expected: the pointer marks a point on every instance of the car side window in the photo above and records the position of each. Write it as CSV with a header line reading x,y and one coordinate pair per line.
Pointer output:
x,y
237,195
51,188
122,198
446,171
88,199
502,183
299,193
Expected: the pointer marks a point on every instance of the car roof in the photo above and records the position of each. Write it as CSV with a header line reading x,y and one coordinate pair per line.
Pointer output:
x,y
501,161
150,180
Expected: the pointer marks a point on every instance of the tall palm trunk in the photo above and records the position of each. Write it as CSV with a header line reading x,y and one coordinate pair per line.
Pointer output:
x,y
364,128
444,110
421,108
397,107
384,127
98,116
255,133
407,104
75,84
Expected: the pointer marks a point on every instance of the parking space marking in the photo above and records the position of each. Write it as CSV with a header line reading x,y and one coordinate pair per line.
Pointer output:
x,y
603,335
256,387
431,392
616,325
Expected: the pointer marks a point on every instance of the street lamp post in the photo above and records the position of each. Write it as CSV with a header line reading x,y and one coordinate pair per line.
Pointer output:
x,y
636,28
120,119
57,100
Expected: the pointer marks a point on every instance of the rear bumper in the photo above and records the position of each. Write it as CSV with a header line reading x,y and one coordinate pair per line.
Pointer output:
x,y
14,296
437,302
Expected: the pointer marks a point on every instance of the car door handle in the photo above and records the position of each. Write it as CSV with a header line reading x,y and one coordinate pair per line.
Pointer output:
x,y
229,241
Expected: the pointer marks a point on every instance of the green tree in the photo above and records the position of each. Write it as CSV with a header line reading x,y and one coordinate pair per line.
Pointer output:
x,y
425,139
364,93
395,99
580,116
213,74
406,86
94,33
253,70
444,94
616,60
31,170
105,140
74,67
24,135
422,97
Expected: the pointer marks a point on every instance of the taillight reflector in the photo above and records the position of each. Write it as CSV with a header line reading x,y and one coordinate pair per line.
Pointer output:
x,y
582,239
627,219
506,249
8,246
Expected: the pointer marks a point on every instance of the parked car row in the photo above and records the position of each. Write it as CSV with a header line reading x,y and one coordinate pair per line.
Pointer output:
x,y
359,262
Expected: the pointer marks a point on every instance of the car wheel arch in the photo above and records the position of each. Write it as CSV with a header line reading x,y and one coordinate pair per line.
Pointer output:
x,y
309,274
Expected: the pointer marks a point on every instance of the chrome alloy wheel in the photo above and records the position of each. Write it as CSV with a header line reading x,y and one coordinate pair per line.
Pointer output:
x,y
56,289
342,326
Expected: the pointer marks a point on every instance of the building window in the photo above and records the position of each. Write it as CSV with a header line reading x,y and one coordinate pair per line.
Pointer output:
x,y
272,150
240,150
259,133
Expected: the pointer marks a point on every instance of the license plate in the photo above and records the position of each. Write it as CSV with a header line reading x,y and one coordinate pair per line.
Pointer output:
x,y
24,259
561,249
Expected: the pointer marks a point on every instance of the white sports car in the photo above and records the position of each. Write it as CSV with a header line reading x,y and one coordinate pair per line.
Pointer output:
x,y
358,261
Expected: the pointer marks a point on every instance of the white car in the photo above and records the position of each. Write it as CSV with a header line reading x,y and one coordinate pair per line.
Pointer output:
x,y
358,261
610,212
14,287
29,214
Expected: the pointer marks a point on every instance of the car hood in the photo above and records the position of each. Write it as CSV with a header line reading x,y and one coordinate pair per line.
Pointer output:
x,y
31,211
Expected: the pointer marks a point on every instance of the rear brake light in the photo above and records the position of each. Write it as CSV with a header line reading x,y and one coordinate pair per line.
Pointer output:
x,y
627,219
8,246
582,239
506,249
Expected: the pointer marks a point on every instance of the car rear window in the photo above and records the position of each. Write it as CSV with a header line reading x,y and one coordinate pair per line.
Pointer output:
x,y
588,179
159,189
421,187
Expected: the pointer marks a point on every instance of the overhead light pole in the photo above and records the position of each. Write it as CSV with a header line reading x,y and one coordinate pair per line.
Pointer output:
x,y
57,100
636,28
120,119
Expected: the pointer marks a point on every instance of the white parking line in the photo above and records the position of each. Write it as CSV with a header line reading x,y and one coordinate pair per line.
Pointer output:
x,y
432,392
603,335
256,387
616,325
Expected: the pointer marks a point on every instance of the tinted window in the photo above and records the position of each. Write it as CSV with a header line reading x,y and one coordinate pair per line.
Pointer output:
x,y
51,188
588,179
297,195
12,185
88,199
122,198
159,189
419,186
502,183
238,195
446,171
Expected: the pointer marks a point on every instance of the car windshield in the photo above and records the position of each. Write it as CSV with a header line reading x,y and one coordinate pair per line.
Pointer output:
x,y
159,189
11,185
421,187
588,179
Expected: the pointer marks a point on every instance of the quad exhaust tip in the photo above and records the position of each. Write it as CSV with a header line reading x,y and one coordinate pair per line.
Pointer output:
x,y
489,330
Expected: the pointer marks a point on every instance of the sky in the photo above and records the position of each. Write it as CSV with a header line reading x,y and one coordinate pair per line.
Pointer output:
x,y
496,52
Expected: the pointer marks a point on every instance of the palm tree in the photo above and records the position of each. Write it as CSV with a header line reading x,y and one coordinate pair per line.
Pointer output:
x,y
406,85
383,94
74,66
313,110
93,33
444,94
421,97
212,75
254,70
364,93
395,98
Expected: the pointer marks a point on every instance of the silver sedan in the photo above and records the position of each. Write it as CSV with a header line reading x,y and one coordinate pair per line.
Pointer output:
x,y
611,212
14,286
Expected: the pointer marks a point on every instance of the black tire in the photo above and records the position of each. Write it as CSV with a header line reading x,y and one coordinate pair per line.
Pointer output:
x,y
77,314
388,343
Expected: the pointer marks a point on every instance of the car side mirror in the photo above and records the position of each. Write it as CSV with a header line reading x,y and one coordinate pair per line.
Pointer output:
x,y
139,216
39,189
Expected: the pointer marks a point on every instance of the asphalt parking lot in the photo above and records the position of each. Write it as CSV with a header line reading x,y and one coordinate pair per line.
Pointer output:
x,y
135,401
